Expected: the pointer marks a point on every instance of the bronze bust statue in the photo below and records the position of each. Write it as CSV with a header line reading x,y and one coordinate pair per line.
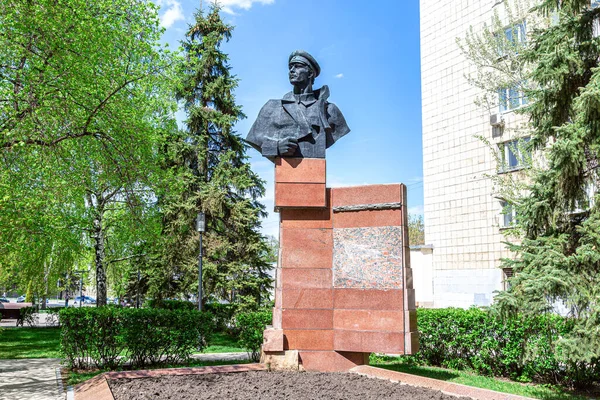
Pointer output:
x,y
303,123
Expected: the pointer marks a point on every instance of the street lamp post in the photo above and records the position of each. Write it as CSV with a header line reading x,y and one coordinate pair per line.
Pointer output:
x,y
80,289
67,282
80,273
201,228
137,290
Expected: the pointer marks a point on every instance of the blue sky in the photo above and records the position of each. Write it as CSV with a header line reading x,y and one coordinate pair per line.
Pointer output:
x,y
369,57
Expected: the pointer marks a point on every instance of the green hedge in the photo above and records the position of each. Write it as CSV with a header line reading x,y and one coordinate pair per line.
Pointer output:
x,y
172,304
223,314
523,349
107,337
251,326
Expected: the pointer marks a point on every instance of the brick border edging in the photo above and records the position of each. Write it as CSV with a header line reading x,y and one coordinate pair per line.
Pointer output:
x,y
450,388
97,388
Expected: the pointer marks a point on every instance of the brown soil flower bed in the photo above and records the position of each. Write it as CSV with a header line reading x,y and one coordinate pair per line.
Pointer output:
x,y
269,385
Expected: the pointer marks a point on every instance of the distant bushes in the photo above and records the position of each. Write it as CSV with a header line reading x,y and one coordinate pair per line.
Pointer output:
x,y
523,349
224,316
107,337
251,326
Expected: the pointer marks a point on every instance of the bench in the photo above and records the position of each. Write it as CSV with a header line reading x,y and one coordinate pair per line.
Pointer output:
x,y
13,311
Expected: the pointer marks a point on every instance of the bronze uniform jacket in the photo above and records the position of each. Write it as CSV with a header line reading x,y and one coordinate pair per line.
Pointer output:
x,y
279,119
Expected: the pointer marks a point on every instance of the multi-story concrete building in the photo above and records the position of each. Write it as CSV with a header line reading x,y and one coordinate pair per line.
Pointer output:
x,y
463,217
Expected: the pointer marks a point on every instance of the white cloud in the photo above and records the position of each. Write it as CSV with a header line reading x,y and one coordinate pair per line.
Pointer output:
x,y
339,76
173,13
229,5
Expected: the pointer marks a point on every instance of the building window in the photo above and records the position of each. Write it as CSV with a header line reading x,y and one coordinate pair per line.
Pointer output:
x,y
512,37
509,214
511,98
516,33
513,155
508,273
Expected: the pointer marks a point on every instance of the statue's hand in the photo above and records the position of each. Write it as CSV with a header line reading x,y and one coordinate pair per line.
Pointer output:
x,y
287,146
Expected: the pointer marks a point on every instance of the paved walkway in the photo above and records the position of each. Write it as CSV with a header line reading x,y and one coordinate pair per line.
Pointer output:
x,y
35,379
30,379
41,320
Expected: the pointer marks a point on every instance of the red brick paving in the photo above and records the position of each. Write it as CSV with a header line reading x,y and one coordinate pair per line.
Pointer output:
x,y
94,389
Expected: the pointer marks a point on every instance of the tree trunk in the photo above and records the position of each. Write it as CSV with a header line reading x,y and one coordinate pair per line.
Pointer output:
x,y
99,251
45,292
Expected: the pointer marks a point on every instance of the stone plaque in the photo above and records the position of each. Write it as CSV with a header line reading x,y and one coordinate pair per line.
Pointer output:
x,y
368,258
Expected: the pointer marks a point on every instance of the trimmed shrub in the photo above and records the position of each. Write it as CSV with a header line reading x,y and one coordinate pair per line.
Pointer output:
x,y
28,316
223,314
92,337
107,337
523,349
251,326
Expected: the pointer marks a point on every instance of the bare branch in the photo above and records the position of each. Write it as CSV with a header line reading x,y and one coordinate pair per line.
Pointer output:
x,y
126,258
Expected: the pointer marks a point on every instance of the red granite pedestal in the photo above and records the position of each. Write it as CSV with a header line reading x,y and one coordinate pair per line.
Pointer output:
x,y
344,283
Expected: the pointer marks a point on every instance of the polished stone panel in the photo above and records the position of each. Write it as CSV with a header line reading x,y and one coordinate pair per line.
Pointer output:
x,y
368,258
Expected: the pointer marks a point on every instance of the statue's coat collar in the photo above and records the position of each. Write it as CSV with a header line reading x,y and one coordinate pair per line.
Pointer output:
x,y
307,99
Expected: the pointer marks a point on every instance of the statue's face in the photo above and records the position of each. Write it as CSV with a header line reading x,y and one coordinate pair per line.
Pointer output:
x,y
300,74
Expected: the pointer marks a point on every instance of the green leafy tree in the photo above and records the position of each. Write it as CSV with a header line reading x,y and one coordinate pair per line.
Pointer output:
x,y
209,172
555,244
29,294
83,101
416,230
558,259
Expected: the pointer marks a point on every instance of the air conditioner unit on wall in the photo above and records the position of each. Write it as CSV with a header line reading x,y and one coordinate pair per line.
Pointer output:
x,y
496,120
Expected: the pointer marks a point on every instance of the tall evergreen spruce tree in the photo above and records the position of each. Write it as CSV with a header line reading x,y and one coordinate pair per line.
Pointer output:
x,y
558,258
209,172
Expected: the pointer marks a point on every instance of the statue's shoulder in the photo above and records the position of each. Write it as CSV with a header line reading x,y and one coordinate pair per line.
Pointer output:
x,y
273,103
289,96
332,109
271,107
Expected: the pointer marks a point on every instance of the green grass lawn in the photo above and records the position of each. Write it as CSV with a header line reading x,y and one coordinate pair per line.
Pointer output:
x,y
30,343
223,343
545,392
45,343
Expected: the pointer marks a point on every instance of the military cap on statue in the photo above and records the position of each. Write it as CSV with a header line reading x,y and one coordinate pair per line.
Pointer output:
x,y
305,58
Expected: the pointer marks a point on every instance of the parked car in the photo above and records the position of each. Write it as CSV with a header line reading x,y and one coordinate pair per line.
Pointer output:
x,y
4,300
85,300
21,299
